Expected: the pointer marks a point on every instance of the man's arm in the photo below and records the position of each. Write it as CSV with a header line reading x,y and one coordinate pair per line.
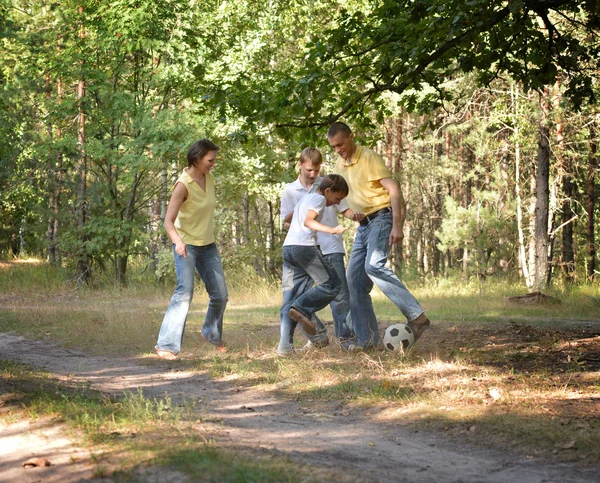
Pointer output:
x,y
398,209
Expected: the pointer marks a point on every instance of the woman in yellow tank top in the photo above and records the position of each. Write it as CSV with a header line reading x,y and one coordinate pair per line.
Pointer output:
x,y
189,224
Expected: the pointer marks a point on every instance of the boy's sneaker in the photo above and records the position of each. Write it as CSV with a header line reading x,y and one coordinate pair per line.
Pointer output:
x,y
284,352
314,345
419,325
349,346
303,320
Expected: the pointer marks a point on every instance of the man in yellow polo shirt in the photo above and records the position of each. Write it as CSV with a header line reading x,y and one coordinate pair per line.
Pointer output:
x,y
375,193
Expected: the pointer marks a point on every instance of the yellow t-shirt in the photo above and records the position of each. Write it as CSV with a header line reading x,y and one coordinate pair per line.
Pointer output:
x,y
363,176
194,222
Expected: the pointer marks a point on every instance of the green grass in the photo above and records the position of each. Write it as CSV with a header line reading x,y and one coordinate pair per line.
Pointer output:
x,y
129,432
541,358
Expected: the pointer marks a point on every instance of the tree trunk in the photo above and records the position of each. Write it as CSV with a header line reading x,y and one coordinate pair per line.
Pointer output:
x,y
50,234
271,240
83,262
542,206
591,204
397,248
164,189
522,252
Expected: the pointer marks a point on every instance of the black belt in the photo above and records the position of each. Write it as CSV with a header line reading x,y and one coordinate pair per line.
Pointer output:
x,y
365,221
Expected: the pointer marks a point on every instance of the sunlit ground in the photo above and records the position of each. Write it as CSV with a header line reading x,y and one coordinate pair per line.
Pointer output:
x,y
488,371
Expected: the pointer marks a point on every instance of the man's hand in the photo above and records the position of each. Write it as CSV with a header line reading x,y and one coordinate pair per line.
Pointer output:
x,y
181,249
396,235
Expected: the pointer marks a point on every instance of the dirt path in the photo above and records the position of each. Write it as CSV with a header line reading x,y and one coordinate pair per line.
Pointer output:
x,y
332,440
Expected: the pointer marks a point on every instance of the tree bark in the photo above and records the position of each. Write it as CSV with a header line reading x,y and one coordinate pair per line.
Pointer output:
x,y
83,262
591,204
542,206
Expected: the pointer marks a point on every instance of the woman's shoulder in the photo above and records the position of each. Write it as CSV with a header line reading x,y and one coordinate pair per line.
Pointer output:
x,y
184,178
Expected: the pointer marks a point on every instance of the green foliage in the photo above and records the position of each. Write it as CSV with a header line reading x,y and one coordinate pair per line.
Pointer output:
x,y
482,227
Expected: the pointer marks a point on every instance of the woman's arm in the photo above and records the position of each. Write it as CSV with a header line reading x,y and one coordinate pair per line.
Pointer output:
x,y
177,198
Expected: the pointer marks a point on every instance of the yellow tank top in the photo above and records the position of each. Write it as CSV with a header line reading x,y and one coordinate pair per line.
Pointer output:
x,y
194,222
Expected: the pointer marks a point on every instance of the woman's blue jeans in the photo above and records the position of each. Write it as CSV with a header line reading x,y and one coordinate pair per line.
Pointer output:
x,y
309,284
367,266
206,260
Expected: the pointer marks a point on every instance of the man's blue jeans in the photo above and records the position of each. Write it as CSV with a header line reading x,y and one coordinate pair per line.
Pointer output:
x,y
206,260
340,305
367,267
309,284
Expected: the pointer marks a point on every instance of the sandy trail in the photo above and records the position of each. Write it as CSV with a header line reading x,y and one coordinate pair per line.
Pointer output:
x,y
359,448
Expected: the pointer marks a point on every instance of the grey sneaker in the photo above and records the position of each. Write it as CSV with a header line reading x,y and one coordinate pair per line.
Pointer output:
x,y
313,345
284,352
419,325
349,346
303,320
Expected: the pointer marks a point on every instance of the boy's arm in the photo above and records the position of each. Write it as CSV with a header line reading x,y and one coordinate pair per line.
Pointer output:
x,y
287,208
311,222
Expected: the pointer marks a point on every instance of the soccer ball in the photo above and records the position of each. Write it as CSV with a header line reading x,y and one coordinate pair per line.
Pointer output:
x,y
398,337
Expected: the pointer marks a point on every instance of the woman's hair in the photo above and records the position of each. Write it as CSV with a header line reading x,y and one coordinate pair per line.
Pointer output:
x,y
335,183
313,155
199,149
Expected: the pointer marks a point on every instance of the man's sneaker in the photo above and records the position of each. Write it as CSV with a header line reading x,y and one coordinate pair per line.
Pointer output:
x,y
303,320
419,325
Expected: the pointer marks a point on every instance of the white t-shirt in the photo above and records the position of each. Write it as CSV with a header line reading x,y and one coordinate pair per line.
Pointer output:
x,y
290,197
299,234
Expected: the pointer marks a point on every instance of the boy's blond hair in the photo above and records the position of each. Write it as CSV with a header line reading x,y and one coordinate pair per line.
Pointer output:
x,y
312,155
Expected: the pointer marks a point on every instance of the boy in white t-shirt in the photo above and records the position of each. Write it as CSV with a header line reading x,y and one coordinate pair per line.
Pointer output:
x,y
310,282
332,246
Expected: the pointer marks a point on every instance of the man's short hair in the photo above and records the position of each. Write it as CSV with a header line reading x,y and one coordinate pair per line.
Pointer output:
x,y
339,127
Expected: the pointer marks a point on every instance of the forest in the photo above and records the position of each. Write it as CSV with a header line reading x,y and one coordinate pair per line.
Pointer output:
x,y
486,112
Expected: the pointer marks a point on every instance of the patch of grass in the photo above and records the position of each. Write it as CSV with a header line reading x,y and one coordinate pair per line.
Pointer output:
x,y
129,433
485,364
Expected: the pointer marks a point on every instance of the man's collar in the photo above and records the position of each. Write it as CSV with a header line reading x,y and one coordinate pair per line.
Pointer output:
x,y
355,157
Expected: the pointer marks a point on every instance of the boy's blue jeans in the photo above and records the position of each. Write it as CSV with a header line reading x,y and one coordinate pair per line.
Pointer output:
x,y
206,260
340,305
309,284
367,266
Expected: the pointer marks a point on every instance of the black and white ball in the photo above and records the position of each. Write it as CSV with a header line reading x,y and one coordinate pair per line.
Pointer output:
x,y
398,337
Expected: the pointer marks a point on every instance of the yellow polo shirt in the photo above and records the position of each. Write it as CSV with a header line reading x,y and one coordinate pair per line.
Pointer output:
x,y
363,175
194,222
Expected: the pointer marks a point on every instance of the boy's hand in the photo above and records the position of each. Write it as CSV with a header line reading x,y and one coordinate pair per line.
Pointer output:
x,y
338,230
358,216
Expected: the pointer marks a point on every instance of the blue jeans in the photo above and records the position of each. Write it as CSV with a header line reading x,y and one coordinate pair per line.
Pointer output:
x,y
206,260
340,305
367,267
309,284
